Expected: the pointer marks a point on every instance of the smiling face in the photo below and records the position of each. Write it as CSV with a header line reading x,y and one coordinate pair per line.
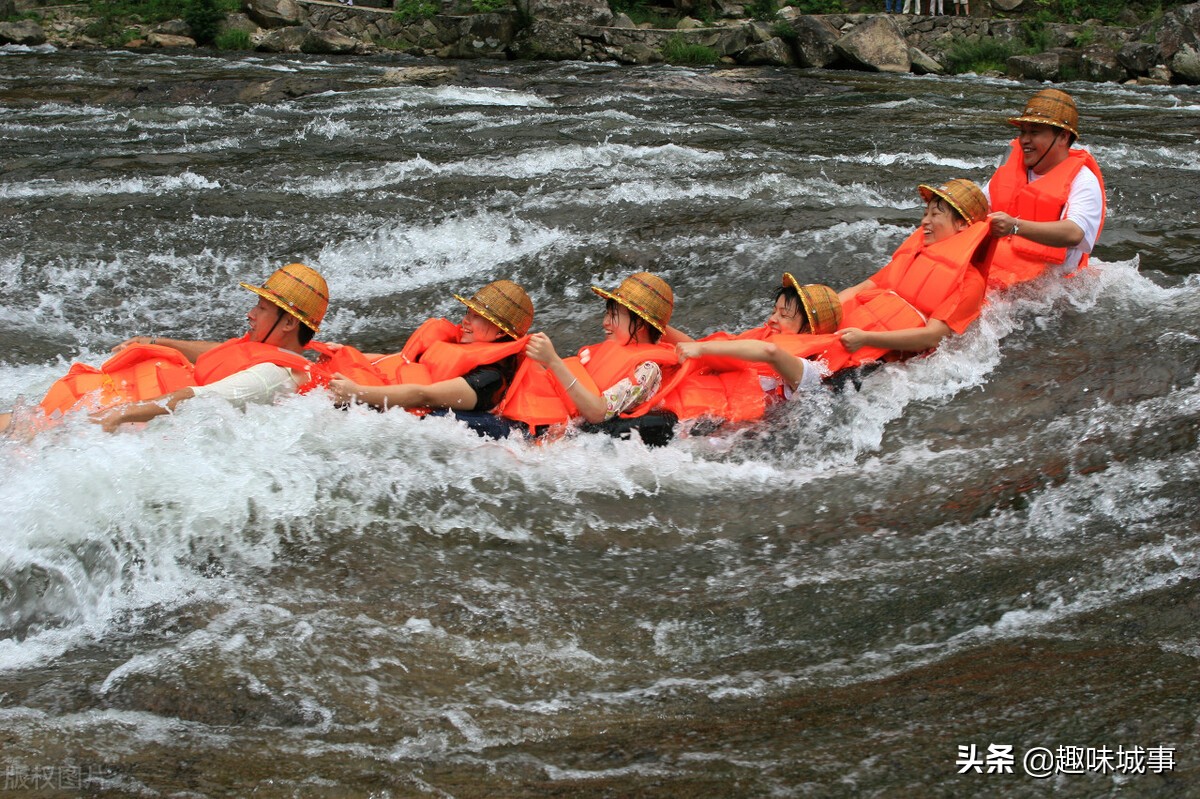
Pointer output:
x,y
940,221
477,329
616,323
1044,146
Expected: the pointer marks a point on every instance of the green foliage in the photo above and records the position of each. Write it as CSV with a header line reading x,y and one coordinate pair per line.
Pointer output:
x,y
785,31
1035,35
204,18
413,10
677,50
763,9
980,54
818,6
488,6
233,40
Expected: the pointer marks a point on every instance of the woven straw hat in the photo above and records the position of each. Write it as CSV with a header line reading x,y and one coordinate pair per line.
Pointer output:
x,y
646,295
298,289
962,195
822,308
1050,107
504,304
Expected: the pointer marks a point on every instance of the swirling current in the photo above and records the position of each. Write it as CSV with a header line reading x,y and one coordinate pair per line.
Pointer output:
x,y
872,593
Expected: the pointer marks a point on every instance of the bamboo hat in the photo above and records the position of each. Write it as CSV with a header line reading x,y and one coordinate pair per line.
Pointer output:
x,y
963,196
646,295
504,304
1050,107
822,308
298,289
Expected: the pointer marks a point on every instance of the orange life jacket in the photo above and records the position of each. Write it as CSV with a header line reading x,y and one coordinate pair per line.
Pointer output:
x,y
536,397
138,372
1018,259
238,354
922,278
430,355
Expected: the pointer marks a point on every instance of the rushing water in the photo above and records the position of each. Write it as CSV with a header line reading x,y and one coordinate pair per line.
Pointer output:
x,y
994,545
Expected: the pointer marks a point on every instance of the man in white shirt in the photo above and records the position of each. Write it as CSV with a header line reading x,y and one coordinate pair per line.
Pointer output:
x,y
257,368
1047,199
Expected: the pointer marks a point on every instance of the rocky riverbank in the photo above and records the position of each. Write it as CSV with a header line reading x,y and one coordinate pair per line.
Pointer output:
x,y
1163,51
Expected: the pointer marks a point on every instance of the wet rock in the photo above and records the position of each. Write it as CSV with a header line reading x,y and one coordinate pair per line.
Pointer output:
x,y
423,76
168,41
26,32
274,13
775,52
585,12
876,45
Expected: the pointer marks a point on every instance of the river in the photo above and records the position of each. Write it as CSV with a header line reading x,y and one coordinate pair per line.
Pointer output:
x,y
872,593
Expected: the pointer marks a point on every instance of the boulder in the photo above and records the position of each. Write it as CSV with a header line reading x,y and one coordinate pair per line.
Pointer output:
x,y
1049,66
1139,57
1179,28
637,53
282,40
688,24
486,36
923,64
584,12
1099,63
555,41
173,27
1007,5
877,45
622,21
1186,64
774,53
815,40
26,32
327,42
274,13
167,40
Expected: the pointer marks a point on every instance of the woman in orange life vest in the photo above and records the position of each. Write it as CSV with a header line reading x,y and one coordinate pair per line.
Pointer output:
x,y
607,379
258,367
799,311
465,367
932,287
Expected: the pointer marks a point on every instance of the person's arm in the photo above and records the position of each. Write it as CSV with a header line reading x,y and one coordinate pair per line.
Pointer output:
x,y
455,394
845,294
1063,233
913,339
591,406
113,418
789,367
190,349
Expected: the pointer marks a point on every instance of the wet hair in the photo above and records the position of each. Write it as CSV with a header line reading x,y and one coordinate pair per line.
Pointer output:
x,y
305,334
636,322
791,299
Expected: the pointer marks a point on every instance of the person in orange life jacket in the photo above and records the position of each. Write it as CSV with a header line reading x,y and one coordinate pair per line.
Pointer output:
x,y
811,309
292,302
635,316
1047,199
952,236
501,311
